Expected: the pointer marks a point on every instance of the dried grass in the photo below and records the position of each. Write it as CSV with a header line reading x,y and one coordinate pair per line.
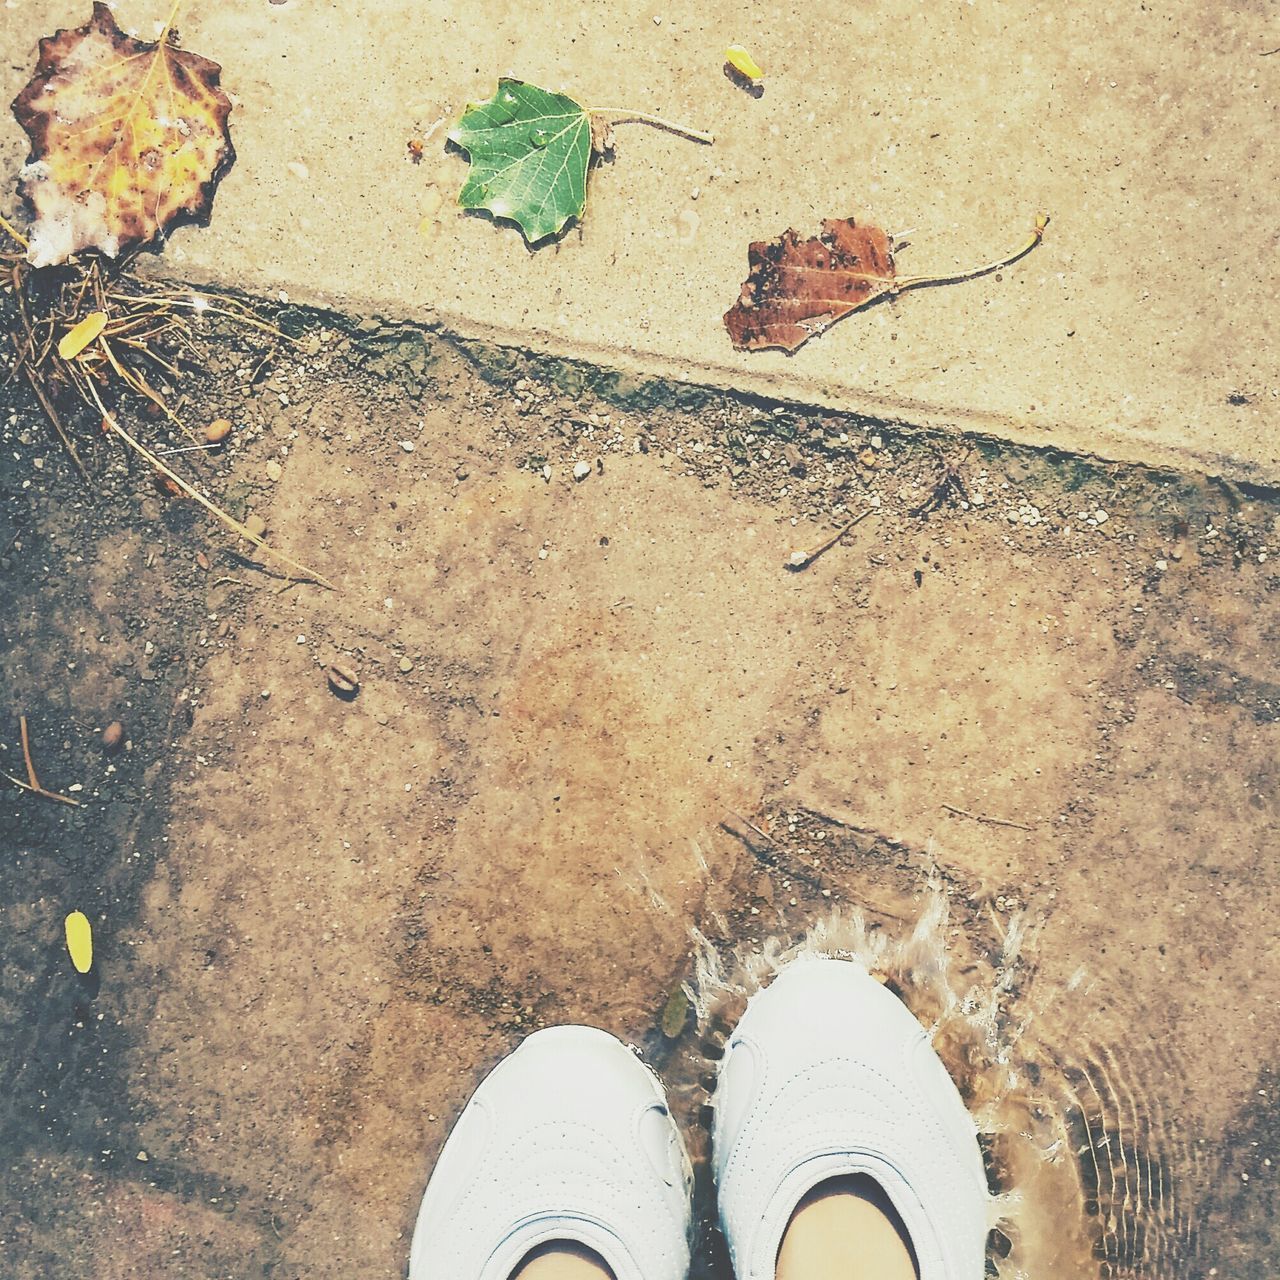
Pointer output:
x,y
147,337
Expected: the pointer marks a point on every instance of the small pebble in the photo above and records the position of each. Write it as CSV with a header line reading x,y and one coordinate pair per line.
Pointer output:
x,y
274,471
1101,516
407,445
343,680
255,526
406,665
581,470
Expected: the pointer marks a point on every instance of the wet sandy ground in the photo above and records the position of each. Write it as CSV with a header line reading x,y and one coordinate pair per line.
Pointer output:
x,y
320,921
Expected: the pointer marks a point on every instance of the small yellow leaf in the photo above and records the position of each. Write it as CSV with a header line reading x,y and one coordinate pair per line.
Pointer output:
x,y
80,941
87,331
743,63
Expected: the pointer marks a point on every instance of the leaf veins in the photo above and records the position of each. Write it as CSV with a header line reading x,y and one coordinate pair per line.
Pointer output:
x,y
529,152
797,289
129,138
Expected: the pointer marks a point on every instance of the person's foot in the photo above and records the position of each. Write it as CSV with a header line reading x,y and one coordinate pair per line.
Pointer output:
x,y
846,1229
561,1261
568,1140
828,1076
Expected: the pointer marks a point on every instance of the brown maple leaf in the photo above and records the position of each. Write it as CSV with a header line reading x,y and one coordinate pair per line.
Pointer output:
x,y
129,138
797,288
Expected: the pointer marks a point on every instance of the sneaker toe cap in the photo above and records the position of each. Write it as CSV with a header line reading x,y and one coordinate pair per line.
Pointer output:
x,y
571,1127
828,1064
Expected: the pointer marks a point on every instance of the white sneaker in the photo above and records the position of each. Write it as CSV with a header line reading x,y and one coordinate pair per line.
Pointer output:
x,y
568,1138
829,1074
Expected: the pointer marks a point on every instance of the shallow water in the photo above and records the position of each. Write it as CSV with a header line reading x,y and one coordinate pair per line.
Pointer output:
x,y
1088,1174
521,830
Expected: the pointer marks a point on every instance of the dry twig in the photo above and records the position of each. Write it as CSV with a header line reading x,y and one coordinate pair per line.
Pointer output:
x,y
145,337
803,559
990,821
230,521
734,823
33,782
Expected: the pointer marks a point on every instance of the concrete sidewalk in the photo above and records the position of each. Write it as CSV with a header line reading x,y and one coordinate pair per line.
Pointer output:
x,y
1144,327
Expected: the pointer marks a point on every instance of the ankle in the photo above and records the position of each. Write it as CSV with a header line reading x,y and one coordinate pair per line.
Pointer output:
x,y
846,1229
562,1260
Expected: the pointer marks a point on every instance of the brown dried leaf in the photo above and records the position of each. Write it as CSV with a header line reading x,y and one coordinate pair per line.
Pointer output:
x,y
797,288
128,139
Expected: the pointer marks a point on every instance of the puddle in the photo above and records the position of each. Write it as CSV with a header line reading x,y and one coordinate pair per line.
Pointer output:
x,y
1089,1175
567,687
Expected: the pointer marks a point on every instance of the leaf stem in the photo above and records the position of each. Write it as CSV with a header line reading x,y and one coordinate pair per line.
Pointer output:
x,y
1037,234
169,21
657,121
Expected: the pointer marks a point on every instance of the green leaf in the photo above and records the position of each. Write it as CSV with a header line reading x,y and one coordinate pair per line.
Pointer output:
x,y
529,152
674,1013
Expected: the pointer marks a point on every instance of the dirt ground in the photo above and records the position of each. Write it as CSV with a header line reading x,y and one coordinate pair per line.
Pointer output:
x,y
595,716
